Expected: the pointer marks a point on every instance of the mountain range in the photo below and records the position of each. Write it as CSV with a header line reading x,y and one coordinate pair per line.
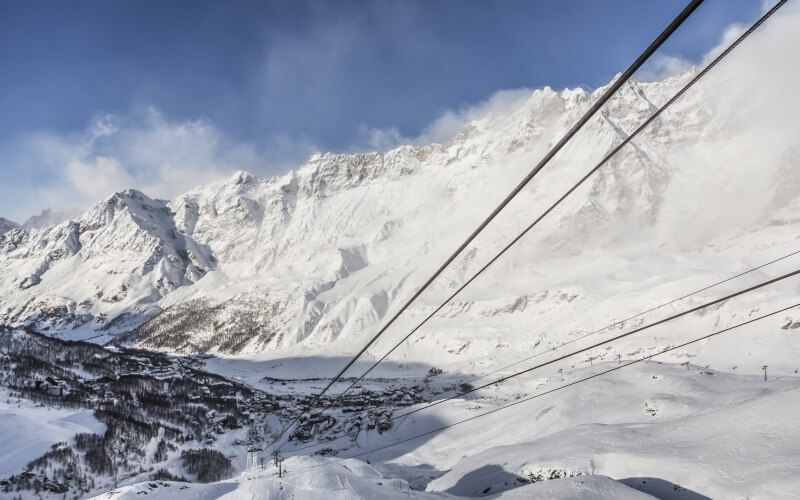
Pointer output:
x,y
323,253
257,290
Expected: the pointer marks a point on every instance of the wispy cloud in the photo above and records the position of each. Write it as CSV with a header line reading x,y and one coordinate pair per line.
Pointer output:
x,y
164,156
145,150
747,164
502,102
446,125
663,66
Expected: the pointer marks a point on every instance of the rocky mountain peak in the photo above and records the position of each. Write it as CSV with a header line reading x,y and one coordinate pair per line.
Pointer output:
x,y
320,254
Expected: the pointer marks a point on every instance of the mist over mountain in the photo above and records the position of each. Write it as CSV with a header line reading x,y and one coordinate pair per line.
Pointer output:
x,y
325,252
49,217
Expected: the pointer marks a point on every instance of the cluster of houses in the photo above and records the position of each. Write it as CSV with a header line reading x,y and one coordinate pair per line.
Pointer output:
x,y
363,410
312,425
163,371
262,402
390,397
96,389
374,418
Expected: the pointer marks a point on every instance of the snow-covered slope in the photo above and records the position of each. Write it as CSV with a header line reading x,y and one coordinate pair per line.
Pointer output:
x,y
31,430
323,254
352,480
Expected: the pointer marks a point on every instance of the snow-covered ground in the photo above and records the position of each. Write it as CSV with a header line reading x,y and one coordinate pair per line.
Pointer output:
x,y
673,430
29,430
353,479
661,428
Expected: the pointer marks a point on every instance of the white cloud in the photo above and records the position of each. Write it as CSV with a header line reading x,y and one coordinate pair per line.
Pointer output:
x,y
145,151
381,139
447,124
97,177
663,66
748,165
731,33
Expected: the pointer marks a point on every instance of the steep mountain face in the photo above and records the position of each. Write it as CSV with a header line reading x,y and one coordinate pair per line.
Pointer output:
x,y
324,253
7,225
100,270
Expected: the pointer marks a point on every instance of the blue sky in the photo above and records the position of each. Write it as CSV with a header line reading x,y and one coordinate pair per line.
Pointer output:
x,y
111,90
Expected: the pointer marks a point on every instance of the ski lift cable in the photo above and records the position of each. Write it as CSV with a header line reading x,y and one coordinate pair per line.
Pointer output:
x,y
609,92
623,321
565,386
594,346
627,140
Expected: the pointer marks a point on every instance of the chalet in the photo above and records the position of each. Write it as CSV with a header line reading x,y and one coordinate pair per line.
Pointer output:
x,y
51,386
55,390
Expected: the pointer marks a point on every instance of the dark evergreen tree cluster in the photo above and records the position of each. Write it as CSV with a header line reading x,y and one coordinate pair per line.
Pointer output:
x,y
174,328
58,471
209,465
140,396
165,475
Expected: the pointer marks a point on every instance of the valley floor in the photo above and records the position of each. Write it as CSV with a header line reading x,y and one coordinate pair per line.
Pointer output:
x,y
667,429
663,427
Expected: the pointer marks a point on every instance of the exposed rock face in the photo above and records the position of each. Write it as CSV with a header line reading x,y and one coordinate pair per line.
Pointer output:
x,y
7,225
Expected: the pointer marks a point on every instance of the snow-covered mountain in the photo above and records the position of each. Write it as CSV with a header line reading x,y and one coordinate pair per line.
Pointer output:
x,y
7,225
325,252
295,252
285,277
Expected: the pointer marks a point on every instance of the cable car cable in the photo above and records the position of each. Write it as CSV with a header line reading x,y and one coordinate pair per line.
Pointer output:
x,y
623,321
652,118
565,386
609,92
607,341
594,346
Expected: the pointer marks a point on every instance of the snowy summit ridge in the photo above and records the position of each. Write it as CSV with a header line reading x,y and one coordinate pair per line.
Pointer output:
x,y
323,253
